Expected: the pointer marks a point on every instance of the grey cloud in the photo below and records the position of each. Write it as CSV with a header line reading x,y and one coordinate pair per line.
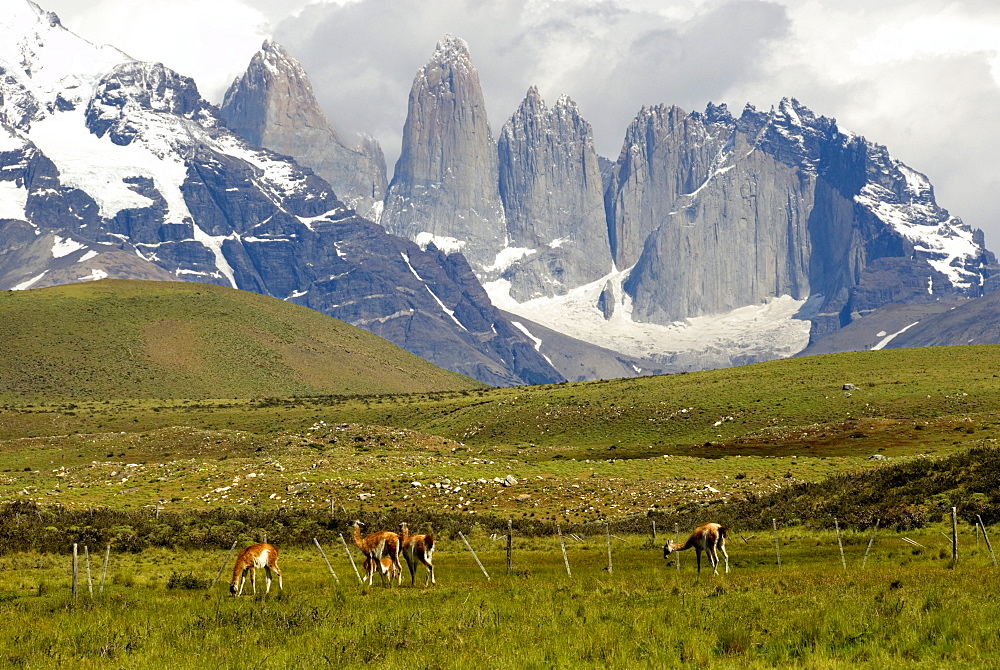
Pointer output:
x,y
361,57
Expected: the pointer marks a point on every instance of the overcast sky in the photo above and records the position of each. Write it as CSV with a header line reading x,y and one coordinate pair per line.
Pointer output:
x,y
920,76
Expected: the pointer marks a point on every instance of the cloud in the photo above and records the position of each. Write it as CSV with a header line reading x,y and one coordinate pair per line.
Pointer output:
x,y
209,41
611,57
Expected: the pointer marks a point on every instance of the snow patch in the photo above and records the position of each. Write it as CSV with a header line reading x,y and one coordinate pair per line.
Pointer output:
x,y
99,166
13,200
87,256
507,257
886,340
766,331
31,282
64,247
537,341
94,275
444,244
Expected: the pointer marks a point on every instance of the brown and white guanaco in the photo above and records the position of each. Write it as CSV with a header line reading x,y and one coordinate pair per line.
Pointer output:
x,y
385,568
375,546
708,537
261,555
417,548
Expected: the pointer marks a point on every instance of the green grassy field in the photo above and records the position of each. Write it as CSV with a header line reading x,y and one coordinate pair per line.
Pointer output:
x,y
578,452
908,607
147,429
135,339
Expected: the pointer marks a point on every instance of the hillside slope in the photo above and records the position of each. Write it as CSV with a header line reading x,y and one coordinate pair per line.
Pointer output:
x,y
133,339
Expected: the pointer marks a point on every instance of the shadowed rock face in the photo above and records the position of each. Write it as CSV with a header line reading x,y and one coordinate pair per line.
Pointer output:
x,y
445,181
714,213
550,183
273,105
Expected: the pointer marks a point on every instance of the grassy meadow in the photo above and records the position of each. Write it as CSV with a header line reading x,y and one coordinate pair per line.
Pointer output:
x,y
907,607
171,420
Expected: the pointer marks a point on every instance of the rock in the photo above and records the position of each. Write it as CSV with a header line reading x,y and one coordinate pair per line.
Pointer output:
x,y
273,105
510,480
850,387
523,497
878,457
550,184
445,183
416,485
297,488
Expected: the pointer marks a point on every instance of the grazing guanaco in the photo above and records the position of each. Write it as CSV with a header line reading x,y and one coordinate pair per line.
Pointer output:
x,y
255,556
375,546
385,569
417,548
707,537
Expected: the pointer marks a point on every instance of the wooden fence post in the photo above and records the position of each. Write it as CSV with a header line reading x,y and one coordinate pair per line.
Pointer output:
x,y
562,544
987,538
653,531
353,565
90,582
510,546
224,564
104,572
677,554
607,530
870,542
76,570
840,543
777,548
954,536
473,552
323,554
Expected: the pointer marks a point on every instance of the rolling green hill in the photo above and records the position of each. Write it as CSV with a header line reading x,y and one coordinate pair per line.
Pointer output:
x,y
133,339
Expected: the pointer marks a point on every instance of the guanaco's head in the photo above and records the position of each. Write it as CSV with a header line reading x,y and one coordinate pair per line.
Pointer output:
x,y
232,589
668,549
404,529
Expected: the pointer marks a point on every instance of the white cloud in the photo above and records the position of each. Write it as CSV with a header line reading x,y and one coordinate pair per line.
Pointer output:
x,y
209,41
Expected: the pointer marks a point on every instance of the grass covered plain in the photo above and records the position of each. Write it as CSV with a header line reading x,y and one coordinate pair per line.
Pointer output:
x,y
908,607
460,456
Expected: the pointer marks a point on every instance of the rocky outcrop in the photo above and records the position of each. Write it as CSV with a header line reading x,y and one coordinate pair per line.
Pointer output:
x,y
717,213
667,154
445,181
273,105
550,184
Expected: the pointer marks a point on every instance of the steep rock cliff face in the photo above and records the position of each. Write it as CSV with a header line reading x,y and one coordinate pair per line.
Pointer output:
x,y
729,212
550,184
667,154
445,181
273,105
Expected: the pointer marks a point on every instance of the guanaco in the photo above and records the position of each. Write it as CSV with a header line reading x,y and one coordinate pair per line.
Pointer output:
x,y
417,548
707,537
375,546
255,556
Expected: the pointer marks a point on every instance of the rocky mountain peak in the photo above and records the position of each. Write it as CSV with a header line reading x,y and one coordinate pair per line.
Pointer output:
x,y
551,187
453,51
151,87
445,181
273,105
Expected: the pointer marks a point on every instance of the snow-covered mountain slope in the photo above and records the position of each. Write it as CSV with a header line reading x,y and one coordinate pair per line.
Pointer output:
x,y
103,157
776,328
